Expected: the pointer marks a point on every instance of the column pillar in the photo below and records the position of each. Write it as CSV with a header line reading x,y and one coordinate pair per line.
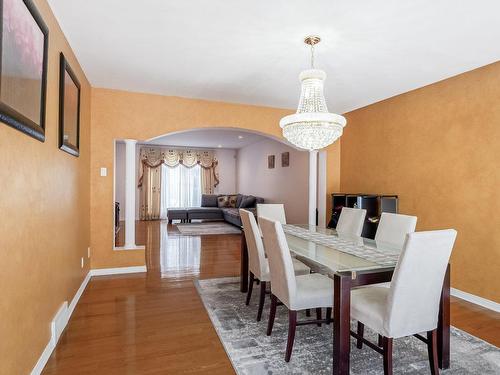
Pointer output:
x,y
130,174
313,185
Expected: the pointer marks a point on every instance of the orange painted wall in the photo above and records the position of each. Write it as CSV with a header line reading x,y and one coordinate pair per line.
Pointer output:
x,y
438,148
120,115
44,229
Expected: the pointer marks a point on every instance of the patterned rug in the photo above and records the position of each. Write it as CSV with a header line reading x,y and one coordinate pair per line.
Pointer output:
x,y
200,229
252,352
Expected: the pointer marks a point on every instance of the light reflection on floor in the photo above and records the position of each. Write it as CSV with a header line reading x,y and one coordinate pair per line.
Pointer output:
x,y
179,254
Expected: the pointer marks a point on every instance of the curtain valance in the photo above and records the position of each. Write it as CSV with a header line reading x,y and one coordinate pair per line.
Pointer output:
x,y
152,157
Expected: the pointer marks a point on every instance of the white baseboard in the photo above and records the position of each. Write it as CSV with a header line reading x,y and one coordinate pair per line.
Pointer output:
x,y
57,326
117,271
61,318
476,299
44,358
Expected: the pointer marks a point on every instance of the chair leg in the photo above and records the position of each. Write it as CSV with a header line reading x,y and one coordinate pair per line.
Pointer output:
x,y
328,315
250,288
272,314
318,315
262,298
380,341
361,330
432,350
387,345
292,324
308,313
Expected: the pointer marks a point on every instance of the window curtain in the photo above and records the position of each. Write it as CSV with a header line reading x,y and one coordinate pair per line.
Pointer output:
x,y
181,187
153,202
150,194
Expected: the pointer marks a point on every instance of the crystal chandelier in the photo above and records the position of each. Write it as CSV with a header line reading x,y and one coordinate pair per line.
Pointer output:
x,y
312,127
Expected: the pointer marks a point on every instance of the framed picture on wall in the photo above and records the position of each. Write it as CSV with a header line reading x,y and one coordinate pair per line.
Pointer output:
x,y
69,109
23,67
285,159
270,162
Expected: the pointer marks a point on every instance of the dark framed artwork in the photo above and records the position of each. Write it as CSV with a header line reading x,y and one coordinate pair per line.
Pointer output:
x,y
270,162
69,109
23,67
285,159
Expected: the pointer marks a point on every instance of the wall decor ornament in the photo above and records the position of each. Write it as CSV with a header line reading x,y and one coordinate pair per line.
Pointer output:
x,y
270,162
23,67
69,109
285,159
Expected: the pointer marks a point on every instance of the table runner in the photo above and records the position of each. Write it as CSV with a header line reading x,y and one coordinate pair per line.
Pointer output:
x,y
384,258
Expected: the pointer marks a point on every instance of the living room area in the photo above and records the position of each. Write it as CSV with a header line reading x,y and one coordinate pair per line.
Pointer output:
x,y
198,180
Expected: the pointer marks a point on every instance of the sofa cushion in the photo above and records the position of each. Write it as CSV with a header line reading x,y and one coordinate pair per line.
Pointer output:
x,y
222,201
203,209
209,200
248,201
238,200
213,213
177,213
231,211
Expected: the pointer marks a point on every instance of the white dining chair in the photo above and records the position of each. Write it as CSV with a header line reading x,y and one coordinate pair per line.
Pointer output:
x,y
411,304
393,228
295,292
272,211
258,264
351,221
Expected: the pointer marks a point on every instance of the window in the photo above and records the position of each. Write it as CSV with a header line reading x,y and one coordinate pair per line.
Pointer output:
x,y
181,187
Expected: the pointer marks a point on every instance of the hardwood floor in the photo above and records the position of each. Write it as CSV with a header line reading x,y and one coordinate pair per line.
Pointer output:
x,y
155,323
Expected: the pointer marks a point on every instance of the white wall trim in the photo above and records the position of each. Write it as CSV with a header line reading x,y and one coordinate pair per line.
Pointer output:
x,y
116,271
42,361
61,318
57,326
476,299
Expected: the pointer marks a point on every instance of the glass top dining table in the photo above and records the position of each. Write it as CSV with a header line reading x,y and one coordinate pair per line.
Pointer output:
x,y
336,252
350,261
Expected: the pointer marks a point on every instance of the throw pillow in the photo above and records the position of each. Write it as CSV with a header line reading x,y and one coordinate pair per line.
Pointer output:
x,y
248,201
222,201
232,201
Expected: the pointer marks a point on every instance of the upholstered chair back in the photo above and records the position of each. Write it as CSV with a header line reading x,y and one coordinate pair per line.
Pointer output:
x,y
351,221
413,301
273,211
257,262
283,283
393,228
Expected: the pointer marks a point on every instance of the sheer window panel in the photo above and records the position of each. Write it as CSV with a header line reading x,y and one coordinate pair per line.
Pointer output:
x,y
181,187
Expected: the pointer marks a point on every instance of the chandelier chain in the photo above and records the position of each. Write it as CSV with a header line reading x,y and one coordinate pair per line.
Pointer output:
x,y
312,56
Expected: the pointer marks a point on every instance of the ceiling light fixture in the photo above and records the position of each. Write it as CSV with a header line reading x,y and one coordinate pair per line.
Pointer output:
x,y
240,137
312,127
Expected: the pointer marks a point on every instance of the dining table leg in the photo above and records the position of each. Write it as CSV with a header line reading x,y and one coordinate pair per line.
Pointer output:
x,y
443,332
243,264
341,323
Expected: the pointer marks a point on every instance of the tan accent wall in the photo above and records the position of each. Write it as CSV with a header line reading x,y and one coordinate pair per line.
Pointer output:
x,y
438,148
44,228
120,115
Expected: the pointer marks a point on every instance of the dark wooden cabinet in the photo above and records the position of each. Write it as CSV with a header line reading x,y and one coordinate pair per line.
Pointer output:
x,y
374,204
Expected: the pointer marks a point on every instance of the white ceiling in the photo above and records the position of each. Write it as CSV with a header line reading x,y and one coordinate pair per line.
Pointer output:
x,y
209,138
252,52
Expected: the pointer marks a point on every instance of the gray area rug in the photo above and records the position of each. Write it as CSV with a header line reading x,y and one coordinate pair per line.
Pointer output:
x,y
200,229
252,352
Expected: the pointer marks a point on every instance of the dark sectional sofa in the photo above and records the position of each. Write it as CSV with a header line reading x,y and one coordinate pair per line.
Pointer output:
x,y
210,209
